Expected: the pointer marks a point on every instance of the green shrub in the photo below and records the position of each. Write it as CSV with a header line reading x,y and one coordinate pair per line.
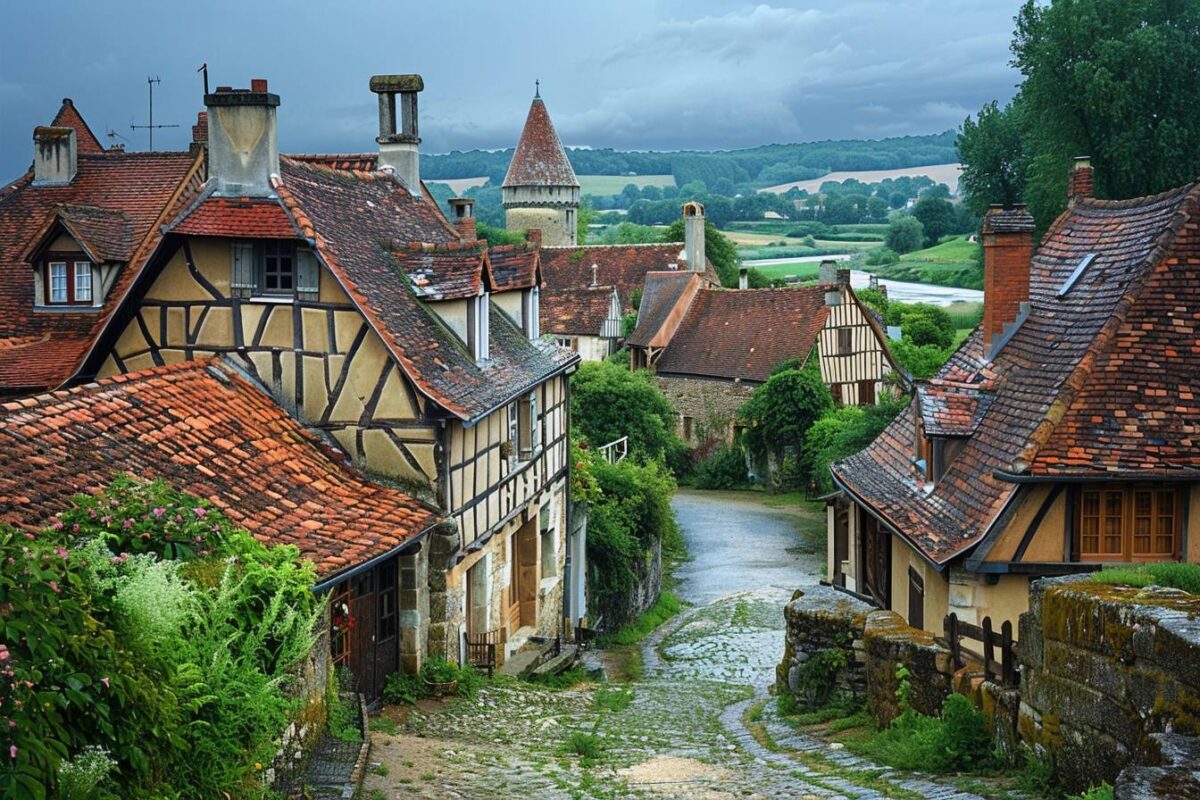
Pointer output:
x,y
586,745
841,432
1102,792
724,469
880,256
1166,573
79,777
608,402
341,706
403,688
613,698
959,740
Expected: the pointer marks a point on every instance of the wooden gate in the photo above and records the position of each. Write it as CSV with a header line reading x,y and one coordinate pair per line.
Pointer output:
x,y
877,562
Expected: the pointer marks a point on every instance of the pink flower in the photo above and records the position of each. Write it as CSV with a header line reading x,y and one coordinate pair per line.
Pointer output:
x,y
12,724
158,512
54,586
61,552
106,681
12,751
75,528
107,518
199,512
128,524
4,652
57,524
30,536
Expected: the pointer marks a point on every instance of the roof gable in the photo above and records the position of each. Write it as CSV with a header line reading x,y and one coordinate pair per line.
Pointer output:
x,y
665,300
69,117
619,266
539,158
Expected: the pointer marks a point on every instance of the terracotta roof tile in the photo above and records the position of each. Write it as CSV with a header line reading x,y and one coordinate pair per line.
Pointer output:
x,y
952,410
514,267
539,158
441,272
1066,377
356,219
578,312
69,117
744,334
258,218
206,429
114,203
661,295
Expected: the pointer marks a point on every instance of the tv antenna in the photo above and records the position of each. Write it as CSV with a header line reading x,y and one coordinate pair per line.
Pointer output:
x,y
112,138
150,125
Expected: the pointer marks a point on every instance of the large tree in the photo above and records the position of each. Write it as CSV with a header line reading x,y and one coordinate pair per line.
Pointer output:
x,y
1117,80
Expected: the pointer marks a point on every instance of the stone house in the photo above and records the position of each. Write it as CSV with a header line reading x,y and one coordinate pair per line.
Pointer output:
x,y
335,284
710,348
1057,438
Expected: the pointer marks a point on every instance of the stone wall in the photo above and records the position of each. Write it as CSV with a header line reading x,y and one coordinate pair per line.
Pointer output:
x,y
304,730
1105,669
711,405
824,630
890,642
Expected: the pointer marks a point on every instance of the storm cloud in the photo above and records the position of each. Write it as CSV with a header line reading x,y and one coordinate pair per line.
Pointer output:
x,y
635,75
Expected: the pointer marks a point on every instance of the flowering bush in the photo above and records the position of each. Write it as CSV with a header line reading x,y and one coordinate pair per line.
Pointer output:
x,y
179,669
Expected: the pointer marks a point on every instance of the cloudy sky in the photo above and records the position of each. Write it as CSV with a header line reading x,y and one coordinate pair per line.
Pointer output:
x,y
635,74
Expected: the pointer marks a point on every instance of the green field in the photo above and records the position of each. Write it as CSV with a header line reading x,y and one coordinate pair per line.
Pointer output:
x,y
613,184
951,263
799,270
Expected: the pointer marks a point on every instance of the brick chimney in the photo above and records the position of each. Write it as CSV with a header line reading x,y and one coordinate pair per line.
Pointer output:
x,y
243,143
1079,182
55,156
399,147
1007,253
464,217
693,235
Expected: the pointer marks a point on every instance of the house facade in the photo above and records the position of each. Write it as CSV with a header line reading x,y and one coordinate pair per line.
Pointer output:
x,y
335,284
1057,438
710,348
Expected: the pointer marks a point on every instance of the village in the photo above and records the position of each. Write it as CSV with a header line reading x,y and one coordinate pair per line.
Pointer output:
x,y
389,473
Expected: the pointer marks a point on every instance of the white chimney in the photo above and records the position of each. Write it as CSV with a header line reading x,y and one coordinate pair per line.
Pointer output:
x,y
243,140
54,156
743,277
693,235
399,148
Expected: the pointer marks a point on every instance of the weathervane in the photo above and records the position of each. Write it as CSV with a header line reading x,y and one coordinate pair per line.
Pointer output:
x,y
537,88
150,125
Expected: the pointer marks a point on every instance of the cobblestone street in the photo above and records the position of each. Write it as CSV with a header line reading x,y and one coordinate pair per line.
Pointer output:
x,y
697,723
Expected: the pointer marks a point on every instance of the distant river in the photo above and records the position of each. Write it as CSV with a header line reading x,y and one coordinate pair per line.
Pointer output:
x,y
903,291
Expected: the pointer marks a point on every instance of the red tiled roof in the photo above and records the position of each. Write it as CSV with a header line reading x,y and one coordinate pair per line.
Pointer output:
x,y
358,162
620,266
575,311
513,267
660,296
209,431
744,334
259,218
68,117
114,203
539,158
328,207
442,272
1069,382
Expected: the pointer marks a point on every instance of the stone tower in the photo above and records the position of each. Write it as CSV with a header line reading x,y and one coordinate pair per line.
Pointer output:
x,y
540,190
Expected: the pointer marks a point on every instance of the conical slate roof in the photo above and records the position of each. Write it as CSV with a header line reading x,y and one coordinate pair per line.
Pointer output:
x,y
539,159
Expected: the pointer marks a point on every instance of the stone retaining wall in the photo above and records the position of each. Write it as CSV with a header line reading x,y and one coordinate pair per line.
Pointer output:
x,y
1104,669
890,643
821,622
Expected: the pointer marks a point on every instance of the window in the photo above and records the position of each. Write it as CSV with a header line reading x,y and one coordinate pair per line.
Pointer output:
x,y
845,341
866,393
274,268
478,321
514,432
68,283
388,616
835,390
687,429
569,342
1138,523
529,433
83,282
549,544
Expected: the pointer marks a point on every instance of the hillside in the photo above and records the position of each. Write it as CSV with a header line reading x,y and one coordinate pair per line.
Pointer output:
x,y
758,167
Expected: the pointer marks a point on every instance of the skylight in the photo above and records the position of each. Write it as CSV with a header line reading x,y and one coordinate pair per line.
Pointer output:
x,y
1070,281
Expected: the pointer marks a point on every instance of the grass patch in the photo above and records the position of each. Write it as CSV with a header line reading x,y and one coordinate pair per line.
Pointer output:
x,y
563,680
613,698
791,271
585,745
1167,573
384,725
666,606
382,770
953,250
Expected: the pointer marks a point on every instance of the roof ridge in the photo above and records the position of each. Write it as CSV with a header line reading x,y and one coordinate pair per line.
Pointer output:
x,y
614,246
1078,379
1135,202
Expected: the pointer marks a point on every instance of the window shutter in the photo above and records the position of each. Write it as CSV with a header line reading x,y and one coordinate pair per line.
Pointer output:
x,y
535,424
243,276
525,426
308,273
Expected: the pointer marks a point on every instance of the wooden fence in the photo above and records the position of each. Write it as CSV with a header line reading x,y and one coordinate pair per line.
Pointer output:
x,y
1002,670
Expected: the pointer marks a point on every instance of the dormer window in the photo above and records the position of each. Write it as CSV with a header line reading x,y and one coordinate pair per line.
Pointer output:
x,y
274,268
67,282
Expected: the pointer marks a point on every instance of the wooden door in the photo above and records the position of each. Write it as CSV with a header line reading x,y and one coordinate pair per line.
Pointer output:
x,y
916,599
387,641
877,562
363,633
527,572
477,601
841,540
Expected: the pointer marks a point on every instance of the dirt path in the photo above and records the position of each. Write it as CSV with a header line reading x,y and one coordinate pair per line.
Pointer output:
x,y
696,724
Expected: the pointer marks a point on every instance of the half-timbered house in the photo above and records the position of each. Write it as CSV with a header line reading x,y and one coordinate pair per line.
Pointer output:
x,y
336,284
1057,438
710,348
